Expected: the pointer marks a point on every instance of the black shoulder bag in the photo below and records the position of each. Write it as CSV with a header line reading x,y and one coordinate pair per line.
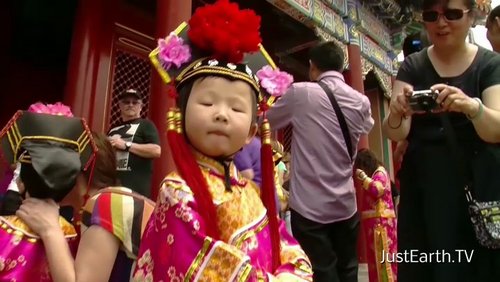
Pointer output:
x,y
485,215
340,117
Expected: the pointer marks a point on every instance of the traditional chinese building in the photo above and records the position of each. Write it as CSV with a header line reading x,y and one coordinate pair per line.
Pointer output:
x,y
86,52
371,33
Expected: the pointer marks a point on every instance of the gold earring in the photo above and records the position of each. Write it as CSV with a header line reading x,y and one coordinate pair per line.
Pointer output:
x,y
171,122
178,121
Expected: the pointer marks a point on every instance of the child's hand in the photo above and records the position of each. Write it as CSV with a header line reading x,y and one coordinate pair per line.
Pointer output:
x,y
360,174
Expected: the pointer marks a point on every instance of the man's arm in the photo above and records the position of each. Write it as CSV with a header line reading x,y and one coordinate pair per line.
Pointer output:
x,y
368,120
151,148
281,113
149,151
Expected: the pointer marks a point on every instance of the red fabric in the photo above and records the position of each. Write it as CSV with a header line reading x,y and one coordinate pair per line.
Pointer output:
x,y
188,169
268,198
225,31
104,208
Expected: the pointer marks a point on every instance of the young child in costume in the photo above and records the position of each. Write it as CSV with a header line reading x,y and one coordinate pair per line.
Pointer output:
x,y
53,148
113,219
210,223
279,171
377,217
10,199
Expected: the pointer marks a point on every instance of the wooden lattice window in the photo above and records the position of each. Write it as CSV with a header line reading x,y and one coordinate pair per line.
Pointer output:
x,y
130,71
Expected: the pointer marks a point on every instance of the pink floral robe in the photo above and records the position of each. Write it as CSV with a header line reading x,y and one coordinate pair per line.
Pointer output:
x,y
174,246
22,254
379,225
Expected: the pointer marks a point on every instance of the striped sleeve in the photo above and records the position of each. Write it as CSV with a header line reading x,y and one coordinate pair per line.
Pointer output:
x,y
122,213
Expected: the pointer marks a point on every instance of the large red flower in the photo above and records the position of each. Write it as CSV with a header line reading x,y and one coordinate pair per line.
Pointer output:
x,y
225,31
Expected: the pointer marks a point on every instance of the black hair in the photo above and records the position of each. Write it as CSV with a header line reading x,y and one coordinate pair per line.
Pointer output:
x,y
493,14
415,42
327,56
37,187
104,173
367,161
427,4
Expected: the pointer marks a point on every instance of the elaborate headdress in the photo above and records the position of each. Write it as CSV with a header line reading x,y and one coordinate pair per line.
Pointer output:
x,y
221,40
52,146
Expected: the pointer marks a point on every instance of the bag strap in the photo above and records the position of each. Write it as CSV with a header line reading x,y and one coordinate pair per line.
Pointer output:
x,y
340,117
458,154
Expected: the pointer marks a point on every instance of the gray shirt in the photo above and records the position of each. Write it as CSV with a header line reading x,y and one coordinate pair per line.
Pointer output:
x,y
322,187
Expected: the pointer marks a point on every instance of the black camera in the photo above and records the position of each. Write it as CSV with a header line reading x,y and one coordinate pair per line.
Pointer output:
x,y
423,100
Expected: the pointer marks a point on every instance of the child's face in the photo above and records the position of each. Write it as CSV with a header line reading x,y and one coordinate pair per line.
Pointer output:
x,y
218,118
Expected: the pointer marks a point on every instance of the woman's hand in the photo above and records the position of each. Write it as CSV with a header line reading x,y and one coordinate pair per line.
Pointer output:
x,y
42,216
453,99
399,104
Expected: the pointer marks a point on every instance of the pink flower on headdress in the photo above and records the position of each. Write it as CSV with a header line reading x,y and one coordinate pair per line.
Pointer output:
x,y
39,108
275,82
58,109
173,51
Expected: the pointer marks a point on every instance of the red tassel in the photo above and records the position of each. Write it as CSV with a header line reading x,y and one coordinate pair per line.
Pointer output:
x,y
268,192
189,170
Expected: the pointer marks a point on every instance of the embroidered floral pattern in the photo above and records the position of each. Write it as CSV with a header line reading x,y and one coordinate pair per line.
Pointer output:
x,y
170,239
145,267
244,235
172,273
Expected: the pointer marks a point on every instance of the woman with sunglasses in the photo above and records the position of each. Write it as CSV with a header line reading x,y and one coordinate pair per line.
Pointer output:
x,y
434,228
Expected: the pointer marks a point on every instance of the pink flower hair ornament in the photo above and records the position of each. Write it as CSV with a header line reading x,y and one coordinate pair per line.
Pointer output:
x,y
173,51
274,81
58,109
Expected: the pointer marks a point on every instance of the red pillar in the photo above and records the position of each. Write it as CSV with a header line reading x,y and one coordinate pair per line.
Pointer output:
x,y
169,14
354,77
89,63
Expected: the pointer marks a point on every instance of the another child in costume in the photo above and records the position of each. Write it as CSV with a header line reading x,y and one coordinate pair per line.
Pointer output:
x,y
10,199
113,220
210,223
53,148
377,217
279,171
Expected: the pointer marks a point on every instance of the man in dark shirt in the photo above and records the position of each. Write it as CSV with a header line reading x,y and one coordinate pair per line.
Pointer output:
x,y
136,142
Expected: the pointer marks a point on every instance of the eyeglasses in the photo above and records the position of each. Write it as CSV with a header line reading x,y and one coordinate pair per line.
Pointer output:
x,y
130,102
449,15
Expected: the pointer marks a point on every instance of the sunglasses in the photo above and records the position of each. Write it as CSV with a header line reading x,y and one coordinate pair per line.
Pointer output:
x,y
129,102
449,15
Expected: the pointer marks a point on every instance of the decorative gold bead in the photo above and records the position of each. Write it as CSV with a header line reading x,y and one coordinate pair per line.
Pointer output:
x,y
171,123
266,132
178,121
